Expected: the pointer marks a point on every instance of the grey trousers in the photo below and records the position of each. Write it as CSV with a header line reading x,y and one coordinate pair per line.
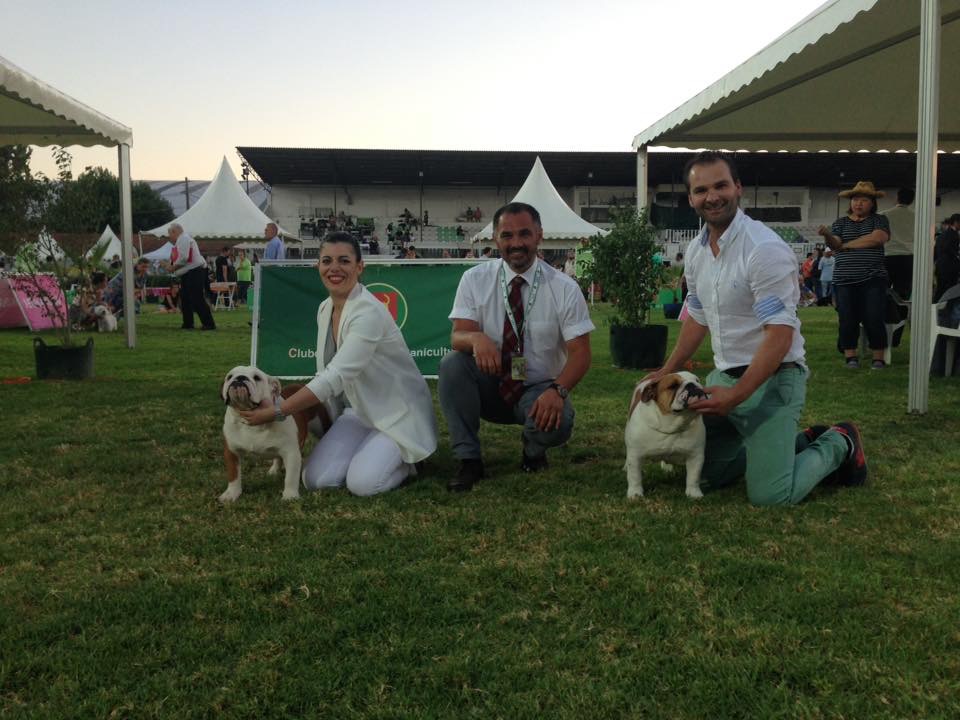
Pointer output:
x,y
467,395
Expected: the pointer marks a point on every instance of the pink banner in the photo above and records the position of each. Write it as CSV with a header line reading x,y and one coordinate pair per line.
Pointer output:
x,y
10,314
40,299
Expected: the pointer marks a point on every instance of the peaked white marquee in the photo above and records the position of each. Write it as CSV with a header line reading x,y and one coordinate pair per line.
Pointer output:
x,y
558,220
223,211
112,242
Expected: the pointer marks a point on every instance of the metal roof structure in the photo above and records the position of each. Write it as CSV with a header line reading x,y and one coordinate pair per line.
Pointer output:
x,y
491,168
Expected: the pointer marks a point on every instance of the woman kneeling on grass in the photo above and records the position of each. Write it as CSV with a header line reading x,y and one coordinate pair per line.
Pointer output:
x,y
368,381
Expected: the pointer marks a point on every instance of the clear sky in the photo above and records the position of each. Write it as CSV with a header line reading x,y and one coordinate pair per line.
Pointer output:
x,y
196,79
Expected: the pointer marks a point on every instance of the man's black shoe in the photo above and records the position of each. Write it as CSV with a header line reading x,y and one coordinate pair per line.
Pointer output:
x,y
532,465
471,472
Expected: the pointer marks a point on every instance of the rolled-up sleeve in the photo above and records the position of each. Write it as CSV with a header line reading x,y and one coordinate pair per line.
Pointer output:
x,y
774,284
465,302
694,305
575,318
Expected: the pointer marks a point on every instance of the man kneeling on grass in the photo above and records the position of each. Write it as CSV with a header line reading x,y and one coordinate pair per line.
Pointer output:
x,y
743,291
521,343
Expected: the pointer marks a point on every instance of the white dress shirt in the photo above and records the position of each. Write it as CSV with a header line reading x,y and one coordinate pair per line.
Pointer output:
x,y
751,283
559,313
901,220
188,255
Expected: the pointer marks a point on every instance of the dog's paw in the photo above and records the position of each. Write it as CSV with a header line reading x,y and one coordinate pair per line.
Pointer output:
x,y
230,494
274,467
291,495
694,493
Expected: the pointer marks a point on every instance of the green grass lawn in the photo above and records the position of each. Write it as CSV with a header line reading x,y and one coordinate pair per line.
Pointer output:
x,y
126,590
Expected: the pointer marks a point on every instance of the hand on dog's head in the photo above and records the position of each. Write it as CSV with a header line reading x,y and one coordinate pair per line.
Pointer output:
x,y
246,387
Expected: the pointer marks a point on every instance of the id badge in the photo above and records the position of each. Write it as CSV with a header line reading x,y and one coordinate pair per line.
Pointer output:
x,y
518,367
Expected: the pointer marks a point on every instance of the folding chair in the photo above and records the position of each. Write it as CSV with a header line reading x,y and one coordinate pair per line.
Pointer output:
x,y
950,334
224,292
891,327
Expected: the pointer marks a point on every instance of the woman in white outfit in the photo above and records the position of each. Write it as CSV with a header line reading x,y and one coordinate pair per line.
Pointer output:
x,y
384,422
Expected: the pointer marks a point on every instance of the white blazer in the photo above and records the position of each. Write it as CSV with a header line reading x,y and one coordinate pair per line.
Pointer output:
x,y
375,371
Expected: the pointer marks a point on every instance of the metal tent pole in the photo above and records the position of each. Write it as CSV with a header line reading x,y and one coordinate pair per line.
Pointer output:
x,y
924,224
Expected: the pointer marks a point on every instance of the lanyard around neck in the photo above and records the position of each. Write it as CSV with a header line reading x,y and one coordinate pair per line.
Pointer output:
x,y
534,288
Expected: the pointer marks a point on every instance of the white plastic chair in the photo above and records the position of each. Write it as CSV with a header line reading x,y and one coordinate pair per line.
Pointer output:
x,y
936,329
891,329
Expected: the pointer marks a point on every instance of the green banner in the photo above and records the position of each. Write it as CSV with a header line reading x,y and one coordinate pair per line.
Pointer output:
x,y
419,295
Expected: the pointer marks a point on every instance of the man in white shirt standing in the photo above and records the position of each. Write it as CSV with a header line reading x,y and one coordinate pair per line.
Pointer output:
x,y
275,250
188,264
898,252
743,291
521,343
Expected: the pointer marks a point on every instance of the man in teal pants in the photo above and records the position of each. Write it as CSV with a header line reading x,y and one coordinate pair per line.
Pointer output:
x,y
743,291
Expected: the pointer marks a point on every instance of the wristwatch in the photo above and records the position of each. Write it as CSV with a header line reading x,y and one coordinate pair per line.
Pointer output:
x,y
561,390
278,415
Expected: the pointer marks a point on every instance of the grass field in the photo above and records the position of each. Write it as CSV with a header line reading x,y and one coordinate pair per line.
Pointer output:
x,y
126,590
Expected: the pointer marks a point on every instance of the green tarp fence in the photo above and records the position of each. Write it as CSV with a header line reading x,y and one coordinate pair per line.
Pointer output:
x,y
418,293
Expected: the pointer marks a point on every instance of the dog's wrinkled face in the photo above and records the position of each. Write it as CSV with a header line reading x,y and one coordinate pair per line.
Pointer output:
x,y
672,393
244,388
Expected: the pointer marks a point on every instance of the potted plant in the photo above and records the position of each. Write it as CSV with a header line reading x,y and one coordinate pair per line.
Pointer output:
x,y
44,274
625,263
47,275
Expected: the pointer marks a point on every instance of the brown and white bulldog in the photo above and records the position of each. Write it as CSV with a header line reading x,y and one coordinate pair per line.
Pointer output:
x,y
661,427
245,388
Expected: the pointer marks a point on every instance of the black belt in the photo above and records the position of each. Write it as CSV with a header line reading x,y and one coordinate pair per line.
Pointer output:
x,y
736,372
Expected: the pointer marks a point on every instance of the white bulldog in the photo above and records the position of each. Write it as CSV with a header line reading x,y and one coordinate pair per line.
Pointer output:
x,y
106,320
660,427
245,388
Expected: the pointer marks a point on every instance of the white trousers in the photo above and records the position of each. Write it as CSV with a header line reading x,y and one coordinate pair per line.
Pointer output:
x,y
353,454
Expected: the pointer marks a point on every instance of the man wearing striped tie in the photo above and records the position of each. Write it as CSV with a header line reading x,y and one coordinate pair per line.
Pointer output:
x,y
521,343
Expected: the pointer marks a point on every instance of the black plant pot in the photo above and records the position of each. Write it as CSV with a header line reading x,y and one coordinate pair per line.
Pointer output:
x,y
637,348
58,362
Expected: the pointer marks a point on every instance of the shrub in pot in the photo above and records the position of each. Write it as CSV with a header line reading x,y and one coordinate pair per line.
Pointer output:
x,y
44,273
624,264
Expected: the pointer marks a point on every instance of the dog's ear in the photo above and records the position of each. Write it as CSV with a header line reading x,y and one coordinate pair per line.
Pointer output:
x,y
649,392
275,388
641,394
223,391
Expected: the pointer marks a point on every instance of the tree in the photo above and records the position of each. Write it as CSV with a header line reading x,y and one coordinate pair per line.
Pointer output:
x,y
22,197
92,201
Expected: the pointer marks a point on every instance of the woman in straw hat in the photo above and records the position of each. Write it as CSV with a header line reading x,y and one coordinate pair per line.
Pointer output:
x,y
859,275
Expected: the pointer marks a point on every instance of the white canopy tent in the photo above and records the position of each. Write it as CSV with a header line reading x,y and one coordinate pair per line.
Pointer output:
x,y
558,220
854,75
161,254
34,113
223,211
109,239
